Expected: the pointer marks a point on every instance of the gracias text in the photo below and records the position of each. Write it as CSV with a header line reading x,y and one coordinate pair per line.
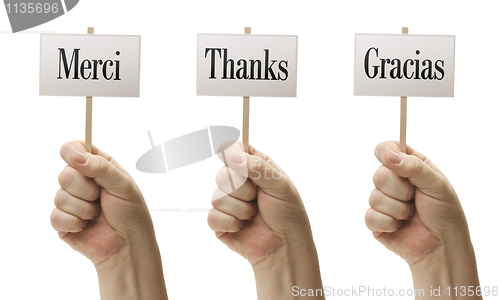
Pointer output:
x,y
411,68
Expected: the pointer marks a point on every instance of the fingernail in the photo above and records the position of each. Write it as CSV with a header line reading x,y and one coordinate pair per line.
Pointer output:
x,y
396,158
242,223
81,158
85,224
399,224
239,158
376,153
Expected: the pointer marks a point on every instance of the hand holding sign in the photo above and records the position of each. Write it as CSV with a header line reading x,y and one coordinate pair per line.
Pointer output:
x,y
101,213
265,221
416,213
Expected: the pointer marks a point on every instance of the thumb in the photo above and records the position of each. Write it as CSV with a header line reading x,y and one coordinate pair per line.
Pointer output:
x,y
418,172
103,172
266,176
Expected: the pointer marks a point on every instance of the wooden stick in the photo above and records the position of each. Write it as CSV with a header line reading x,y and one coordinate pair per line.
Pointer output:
x,y
246,119
402,124
88,114
246,110
88,125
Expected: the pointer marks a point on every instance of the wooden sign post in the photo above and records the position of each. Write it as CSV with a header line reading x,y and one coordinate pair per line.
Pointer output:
x,y
246,110
88,114
402,125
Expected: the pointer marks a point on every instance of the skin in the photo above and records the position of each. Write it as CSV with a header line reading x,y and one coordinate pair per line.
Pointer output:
x,y
101,213
416,213
264,220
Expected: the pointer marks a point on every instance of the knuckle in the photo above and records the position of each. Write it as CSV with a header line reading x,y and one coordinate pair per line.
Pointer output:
x,y
65,177
408,193
232,223
218,193
247,192
247,211
54,218
102,166
60,198
88,211
417,166
380,177
217,203
369,218
93,193
75,223
221,178
64,148
390,224
211,218
257,168
374,199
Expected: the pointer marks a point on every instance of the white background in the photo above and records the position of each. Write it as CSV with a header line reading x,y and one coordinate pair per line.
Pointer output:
x,y
324,139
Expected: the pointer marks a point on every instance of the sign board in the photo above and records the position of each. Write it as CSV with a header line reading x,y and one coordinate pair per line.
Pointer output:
x,y
90,65
248,65
404,65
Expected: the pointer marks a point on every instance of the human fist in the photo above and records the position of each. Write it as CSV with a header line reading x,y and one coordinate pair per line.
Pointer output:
x,y
99,208
414,208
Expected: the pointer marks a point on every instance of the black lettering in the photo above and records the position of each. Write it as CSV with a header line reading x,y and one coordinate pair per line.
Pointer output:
x,y
425,69
397,68
283,69
405,68
367,63
224,66
104,72
439,69
117,62
67,69
242,72
269,68
383,61
417,69
95,68
427,63
212,60
85,66
252,69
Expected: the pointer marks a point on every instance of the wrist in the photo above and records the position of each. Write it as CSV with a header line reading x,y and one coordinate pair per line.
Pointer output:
x,y
287,271
134,272
446,270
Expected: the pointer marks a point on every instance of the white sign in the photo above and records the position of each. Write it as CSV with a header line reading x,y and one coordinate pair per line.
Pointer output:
x,y
247,65
89,65
404,65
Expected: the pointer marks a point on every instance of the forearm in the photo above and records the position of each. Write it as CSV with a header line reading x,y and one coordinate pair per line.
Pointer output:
x,y
132,274
447,274
290,273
